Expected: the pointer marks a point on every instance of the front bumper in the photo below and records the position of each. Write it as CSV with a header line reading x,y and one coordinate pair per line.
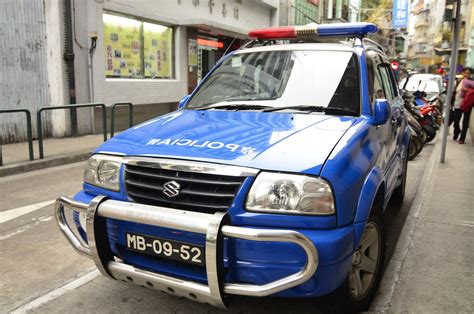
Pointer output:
x,y
215,227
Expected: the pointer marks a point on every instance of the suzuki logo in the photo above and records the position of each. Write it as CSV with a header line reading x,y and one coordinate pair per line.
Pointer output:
x,y
171,188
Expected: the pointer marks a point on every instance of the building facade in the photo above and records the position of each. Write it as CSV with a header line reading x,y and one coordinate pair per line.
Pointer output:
x,y
302,12
150,53
431,40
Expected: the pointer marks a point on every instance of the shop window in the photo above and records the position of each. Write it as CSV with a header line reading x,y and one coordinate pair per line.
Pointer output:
x,y
158,51
137,49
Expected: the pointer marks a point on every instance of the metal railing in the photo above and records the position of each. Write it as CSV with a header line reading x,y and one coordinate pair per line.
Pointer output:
x,y
29,132
112,119
40,127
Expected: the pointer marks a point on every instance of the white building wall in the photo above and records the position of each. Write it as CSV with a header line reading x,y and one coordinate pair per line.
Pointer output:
x,y
23,68
57,82
251,13
180,14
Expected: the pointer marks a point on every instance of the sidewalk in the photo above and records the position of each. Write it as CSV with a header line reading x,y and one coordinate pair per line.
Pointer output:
x,y
57,151
432,269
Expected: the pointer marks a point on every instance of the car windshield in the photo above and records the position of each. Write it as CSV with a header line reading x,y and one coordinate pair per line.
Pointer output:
x,y
427,85
283,78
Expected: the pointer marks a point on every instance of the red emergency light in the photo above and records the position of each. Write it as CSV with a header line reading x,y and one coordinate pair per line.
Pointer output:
x,y
315,30
210,43
394,65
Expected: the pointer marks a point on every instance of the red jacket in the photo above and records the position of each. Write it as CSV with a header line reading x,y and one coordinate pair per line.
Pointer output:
x,y
468,100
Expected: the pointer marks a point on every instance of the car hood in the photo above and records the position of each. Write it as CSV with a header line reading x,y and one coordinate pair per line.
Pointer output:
x,y
272,141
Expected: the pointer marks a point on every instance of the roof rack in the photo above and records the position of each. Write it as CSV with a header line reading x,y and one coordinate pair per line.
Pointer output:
x,y
262,42
373,43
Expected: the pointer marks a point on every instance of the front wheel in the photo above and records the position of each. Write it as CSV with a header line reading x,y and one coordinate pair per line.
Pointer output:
x,y
415,147
423,136
430,132
366,269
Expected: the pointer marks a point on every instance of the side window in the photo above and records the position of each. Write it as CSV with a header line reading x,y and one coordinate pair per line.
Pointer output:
x,y
375,82
393,80
378,86
387,82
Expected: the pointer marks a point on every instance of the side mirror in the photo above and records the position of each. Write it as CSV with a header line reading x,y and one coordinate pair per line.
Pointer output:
x,y
381,111
183,102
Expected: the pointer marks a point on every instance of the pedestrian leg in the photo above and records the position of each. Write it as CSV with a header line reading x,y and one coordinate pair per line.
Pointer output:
x,y
465,126
456,119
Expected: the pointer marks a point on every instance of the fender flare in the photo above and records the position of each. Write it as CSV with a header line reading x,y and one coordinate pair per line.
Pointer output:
x,y
372,184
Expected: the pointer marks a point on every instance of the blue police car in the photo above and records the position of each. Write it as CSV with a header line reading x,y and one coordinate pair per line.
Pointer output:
x,y
269,179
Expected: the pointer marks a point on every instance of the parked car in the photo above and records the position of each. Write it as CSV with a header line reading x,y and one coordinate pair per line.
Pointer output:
x,y
431,84
270,178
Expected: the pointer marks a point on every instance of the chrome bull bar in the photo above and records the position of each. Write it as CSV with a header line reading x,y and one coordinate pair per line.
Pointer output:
x,y
212,225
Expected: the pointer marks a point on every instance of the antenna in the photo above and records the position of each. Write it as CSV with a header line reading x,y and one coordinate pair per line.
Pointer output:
x,y
231,43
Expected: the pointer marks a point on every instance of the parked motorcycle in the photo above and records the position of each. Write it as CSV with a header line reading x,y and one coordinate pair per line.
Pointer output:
x,y
418,136
416,145
417,128
425,115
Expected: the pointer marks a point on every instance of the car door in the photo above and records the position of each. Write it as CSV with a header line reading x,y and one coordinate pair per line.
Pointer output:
x,y
396,122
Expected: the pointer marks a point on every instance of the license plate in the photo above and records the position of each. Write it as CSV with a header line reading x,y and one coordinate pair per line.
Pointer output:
x,y
179,251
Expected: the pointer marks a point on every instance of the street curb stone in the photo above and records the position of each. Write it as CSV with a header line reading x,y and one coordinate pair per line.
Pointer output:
x,y
394,268
43,163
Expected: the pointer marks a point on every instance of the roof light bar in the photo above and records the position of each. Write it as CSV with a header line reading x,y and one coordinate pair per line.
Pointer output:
x,y
315,30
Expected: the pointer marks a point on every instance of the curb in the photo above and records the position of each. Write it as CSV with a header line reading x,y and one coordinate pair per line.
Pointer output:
x,y
394,268
43,163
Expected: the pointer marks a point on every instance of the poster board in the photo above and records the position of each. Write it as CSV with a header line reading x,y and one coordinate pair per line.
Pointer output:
x,y
122,47
192,52
158,43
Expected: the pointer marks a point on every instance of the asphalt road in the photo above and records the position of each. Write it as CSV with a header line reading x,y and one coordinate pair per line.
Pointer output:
x,y
41,272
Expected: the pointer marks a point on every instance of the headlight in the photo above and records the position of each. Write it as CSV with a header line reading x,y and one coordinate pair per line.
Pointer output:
x,y
103,171
290,194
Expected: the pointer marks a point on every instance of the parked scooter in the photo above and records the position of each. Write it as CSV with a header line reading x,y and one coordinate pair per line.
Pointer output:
x,y
434,114
417,135
424,115
417,128
416,145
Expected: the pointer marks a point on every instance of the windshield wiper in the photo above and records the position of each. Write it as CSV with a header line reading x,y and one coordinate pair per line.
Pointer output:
x,y
236,107
337,110
301,108
332,110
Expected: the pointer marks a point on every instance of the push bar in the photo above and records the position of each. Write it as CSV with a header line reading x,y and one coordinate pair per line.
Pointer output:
x,y
214,226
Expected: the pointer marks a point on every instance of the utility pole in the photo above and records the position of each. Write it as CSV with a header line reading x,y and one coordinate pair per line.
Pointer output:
x,y
452,75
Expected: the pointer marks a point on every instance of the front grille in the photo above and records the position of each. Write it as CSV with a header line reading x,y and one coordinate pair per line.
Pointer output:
x,y
201,192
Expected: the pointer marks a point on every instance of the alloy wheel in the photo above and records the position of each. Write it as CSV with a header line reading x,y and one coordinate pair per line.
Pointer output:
x,y
364,262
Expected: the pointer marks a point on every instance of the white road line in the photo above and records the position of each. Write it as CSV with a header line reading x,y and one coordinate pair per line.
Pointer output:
x,y
20,211
24,228
57,293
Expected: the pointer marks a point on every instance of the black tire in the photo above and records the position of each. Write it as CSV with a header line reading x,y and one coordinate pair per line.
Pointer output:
x,y
346,295
415,148
430,133
423,136
399,193
419,145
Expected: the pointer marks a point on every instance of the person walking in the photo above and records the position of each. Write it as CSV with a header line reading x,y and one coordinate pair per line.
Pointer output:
x,y
466,107
459,96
